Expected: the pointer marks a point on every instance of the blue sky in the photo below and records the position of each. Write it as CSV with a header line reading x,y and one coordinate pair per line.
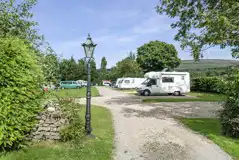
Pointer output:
x,y
117,26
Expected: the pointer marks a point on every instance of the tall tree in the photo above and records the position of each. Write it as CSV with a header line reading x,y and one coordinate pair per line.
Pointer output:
x,y
94,73
51,68
203,24
16,20
82,69
64,69
128,68
103,64
132,55
103,70
157,55
69,69
113,75
73,70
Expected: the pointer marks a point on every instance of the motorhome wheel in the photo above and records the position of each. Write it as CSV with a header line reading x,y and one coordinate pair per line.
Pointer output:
x,y
146,93
176,93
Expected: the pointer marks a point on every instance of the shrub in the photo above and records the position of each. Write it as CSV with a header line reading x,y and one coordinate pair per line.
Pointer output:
x,y
19,91
74,131
229,115
208,84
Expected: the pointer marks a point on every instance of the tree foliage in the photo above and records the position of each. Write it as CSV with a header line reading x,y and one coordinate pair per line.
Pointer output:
x,y
156,55
16,20
20,91
202,24
51,68
103,69
82,69
128,68
93,71
69,69
229,115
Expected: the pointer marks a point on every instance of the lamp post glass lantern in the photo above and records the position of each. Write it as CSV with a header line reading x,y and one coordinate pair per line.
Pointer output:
x,y
89,48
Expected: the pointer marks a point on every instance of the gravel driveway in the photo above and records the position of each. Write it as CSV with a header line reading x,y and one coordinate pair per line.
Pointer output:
x,y
148,131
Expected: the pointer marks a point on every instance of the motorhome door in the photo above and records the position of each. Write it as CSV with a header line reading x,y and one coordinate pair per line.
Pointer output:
x,y
167,83
153,85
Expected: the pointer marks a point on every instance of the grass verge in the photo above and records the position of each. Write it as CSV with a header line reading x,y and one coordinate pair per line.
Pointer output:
x,y
199,97
99,148
211,128
73,93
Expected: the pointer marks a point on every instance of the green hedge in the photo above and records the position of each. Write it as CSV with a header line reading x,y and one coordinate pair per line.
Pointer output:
x,y
20,91
208,84
229,115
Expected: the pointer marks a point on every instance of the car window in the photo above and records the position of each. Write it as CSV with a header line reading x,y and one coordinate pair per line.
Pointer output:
x,y
73,82
168,79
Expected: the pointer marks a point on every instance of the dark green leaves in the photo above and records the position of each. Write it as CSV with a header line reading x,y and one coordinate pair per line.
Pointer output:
x,y
156,55
20,91
204,23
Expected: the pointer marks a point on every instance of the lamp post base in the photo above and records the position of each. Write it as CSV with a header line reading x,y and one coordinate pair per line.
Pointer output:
x,y
90,136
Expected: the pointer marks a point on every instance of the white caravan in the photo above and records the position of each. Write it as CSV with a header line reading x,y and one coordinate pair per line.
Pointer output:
x,y
118,81
174,83
128,83
82,83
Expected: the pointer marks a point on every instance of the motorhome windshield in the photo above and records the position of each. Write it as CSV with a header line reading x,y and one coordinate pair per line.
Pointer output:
x,y
146,81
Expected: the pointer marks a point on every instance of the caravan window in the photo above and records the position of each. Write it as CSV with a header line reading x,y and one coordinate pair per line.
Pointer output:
x,y
126,81
182,78
121,81
168,80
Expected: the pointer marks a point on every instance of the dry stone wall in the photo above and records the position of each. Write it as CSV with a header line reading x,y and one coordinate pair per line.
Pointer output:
x,y
50,122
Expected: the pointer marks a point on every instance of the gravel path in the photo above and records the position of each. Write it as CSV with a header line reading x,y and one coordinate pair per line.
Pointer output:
x,y
148,132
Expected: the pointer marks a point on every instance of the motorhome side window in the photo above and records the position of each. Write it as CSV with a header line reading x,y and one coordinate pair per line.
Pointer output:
x,y
167,79
182,78
126,81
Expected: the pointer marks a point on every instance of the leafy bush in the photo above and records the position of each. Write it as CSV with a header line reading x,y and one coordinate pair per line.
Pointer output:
x,y
74,131
208,84
229,116
19,91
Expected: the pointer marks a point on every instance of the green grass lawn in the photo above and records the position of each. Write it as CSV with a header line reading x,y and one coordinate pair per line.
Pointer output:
x,y
202,97
99,148
211,128
73,93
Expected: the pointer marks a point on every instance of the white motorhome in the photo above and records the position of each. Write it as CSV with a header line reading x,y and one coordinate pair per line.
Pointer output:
x,y
129,83
174,83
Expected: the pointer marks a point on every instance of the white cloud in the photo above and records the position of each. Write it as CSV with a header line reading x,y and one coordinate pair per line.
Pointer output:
x,y
152,24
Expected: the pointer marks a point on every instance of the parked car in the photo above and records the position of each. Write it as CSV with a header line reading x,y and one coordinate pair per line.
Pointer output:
x,y
69,84
113,84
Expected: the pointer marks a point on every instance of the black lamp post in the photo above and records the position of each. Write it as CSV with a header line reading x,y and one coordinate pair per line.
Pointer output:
x,y
89,48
